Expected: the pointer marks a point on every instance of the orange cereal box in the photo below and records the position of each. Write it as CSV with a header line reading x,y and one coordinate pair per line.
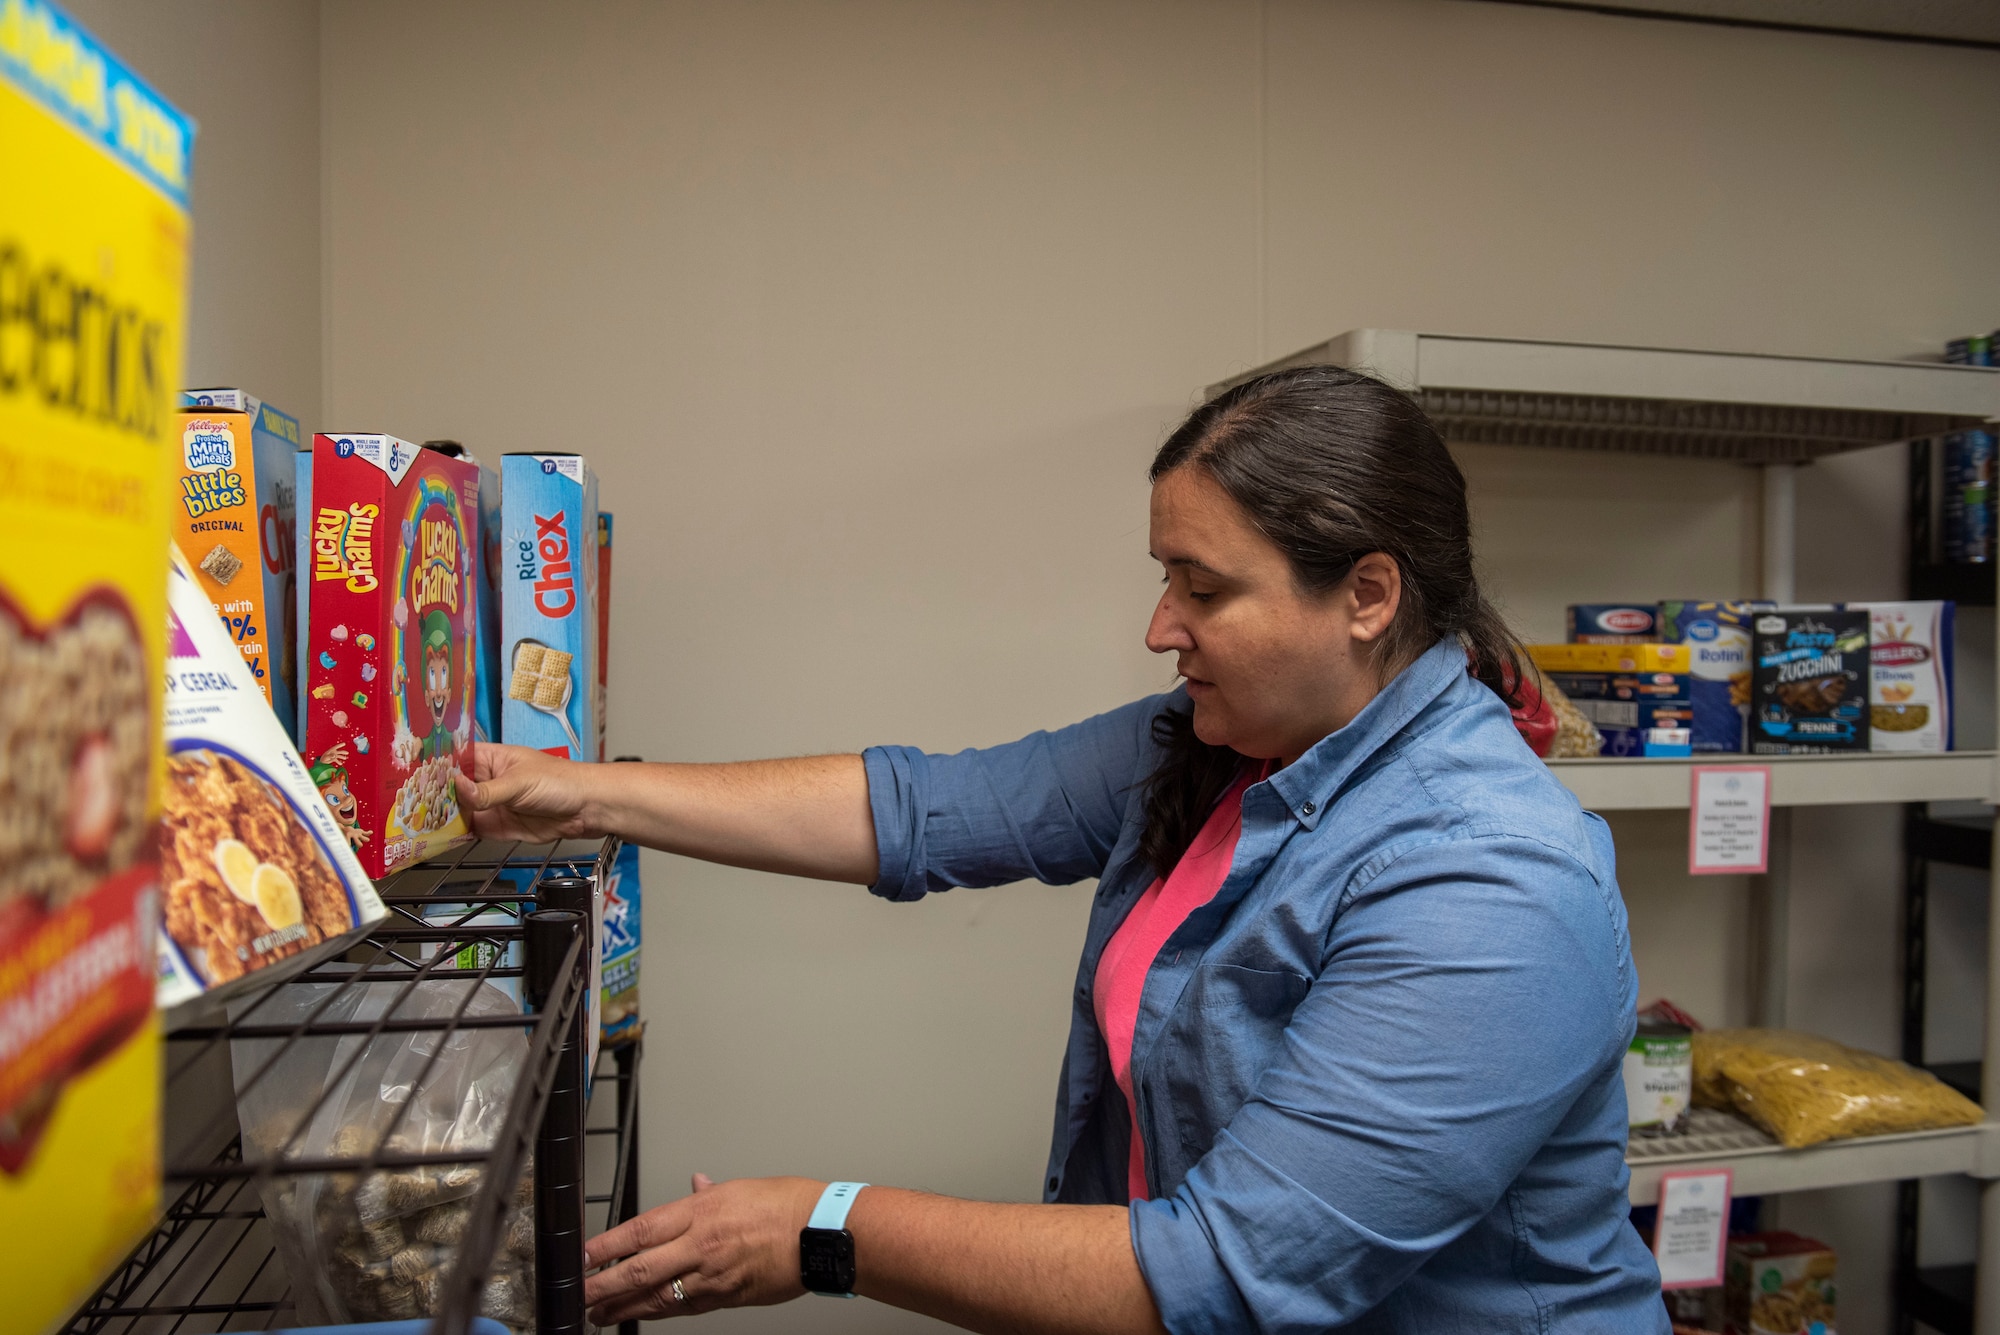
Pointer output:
x,y
93,282
392,642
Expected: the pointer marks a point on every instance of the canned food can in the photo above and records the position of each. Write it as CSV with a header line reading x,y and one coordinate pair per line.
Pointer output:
x,y
1968,496
1659,1078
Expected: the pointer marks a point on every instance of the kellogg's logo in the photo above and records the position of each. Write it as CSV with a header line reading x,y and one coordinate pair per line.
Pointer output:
x,y
206,444
1898,653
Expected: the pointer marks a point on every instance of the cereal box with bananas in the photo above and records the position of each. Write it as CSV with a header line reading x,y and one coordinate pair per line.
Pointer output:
x,y
392,661
548,604
94,237
254,868
1910,676
234,519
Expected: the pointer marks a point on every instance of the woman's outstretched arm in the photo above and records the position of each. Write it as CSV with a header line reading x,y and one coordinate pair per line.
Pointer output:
x,y
1032,1269
802,817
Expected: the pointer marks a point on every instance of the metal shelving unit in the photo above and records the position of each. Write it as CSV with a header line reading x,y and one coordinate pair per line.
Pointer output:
x,y
215,1260
1775,413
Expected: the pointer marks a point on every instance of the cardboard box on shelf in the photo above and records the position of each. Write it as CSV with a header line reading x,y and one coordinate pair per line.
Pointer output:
x,y
548,625
1809,681
1611,623
235,520
603,624
94,170
1638,695
1910,676
1717,638
1779,1283
392,660
255,868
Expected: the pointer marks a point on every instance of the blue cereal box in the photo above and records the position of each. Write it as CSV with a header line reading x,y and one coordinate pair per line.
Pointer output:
x,y
548,603
1612,623
620,1016
302,492
1717,636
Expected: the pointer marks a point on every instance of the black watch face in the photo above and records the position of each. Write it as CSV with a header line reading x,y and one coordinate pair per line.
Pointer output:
x,y
826,1260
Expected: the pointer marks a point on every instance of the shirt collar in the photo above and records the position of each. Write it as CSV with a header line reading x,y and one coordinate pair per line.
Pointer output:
x,y
1307,785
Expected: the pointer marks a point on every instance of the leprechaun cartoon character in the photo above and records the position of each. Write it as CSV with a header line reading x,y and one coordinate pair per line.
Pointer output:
x,y
329,775
436,645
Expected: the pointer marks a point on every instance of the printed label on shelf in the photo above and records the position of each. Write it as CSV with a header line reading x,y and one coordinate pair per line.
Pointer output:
x,y
1729,820
1693,1225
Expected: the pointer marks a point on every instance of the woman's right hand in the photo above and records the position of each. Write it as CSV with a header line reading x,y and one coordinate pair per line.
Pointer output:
x,y
515,792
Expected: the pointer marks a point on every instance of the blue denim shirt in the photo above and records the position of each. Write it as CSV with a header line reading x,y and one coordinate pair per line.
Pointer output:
x,y
1378,1077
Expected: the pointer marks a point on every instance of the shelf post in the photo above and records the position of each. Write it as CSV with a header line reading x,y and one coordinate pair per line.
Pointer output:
x,y
559,1226
1780,532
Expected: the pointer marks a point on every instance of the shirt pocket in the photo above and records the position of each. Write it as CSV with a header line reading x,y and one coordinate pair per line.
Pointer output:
x,y
1228,1030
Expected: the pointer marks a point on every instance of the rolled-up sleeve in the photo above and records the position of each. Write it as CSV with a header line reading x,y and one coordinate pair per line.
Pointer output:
x,y
1472,992
1048,807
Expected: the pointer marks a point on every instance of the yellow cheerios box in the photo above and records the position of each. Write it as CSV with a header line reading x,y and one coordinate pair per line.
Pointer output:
x,y
93,284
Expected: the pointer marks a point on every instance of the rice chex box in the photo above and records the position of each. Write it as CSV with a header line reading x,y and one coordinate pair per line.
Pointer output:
x,y
548,604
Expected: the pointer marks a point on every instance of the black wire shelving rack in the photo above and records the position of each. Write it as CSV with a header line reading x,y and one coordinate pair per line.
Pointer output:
x,y
484,914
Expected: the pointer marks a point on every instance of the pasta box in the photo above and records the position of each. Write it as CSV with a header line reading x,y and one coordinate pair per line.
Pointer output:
x,y
392,657
1910,676
1611,623
234,519
1717,638
1809,681
1634,693
548,604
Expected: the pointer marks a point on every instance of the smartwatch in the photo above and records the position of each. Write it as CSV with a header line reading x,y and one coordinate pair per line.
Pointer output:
x,y
826,1248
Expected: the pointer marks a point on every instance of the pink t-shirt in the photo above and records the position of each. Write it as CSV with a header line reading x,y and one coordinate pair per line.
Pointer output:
x,y
1129,955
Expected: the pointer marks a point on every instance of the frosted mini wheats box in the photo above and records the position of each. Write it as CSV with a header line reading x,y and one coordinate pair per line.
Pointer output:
x,y
548,601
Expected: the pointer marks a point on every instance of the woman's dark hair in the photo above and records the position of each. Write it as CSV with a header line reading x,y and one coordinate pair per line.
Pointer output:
x,y
1330,465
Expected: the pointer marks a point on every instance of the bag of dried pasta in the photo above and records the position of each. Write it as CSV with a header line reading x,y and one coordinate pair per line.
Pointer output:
x,y
1804,1089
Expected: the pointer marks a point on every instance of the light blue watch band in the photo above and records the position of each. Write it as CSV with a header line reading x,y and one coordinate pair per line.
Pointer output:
x,y
834,1203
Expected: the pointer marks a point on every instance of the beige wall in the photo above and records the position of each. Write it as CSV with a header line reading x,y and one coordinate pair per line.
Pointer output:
x,y
870,316
248,72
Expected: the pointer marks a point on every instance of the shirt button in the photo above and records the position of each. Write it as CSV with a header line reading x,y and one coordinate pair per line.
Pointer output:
x,y
1309,808
1052,1184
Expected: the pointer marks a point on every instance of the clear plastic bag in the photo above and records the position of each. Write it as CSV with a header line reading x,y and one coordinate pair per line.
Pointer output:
x,y
1804,1089
377,1246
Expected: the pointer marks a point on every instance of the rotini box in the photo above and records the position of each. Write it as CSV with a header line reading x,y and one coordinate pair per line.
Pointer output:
x,y
94,170
234,521
392,663
548,604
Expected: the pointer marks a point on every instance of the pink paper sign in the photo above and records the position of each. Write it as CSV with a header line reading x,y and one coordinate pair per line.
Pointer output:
x,y
1729,820
1693,1227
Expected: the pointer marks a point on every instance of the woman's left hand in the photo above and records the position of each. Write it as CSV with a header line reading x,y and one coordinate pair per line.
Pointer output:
x,y
730,1244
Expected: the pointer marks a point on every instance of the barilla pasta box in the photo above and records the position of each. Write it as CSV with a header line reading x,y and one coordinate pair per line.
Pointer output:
x,y
234,518
1809,681
255,869
1910,676
1717,638
548,602
392,658
1638,695
1611,623
94,170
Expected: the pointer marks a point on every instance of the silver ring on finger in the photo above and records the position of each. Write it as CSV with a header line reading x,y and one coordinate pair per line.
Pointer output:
x,y
680,1294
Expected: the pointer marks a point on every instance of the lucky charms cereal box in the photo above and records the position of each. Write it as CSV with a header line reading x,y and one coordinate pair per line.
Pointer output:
x,y
392,655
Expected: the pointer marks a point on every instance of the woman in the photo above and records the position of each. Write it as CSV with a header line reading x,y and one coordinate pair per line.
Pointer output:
x,y
1348,1026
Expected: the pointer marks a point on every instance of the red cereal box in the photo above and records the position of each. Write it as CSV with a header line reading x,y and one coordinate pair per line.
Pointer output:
x,y
391,658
